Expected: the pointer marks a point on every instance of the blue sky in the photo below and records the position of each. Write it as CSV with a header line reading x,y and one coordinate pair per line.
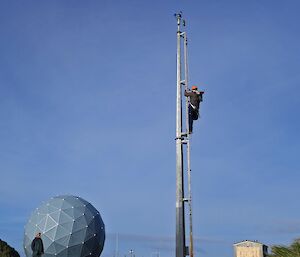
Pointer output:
x,y
87,107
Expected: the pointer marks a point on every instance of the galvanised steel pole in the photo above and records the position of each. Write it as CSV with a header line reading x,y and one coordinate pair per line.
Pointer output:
x,y
180,226
188,154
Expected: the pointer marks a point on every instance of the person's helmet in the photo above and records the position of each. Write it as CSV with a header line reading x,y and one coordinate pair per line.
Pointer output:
x,y
194,88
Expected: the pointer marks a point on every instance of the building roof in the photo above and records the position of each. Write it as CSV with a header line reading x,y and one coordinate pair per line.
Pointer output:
x,y
245,242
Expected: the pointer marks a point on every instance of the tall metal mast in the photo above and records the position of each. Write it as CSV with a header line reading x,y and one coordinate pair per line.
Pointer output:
x,y
188,151
182,138
180,222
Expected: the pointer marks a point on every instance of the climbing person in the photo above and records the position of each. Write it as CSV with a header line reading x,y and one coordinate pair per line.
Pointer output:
x,y
37,246
195,98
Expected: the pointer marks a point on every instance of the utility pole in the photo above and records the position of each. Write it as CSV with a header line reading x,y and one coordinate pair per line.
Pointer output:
x,y
180,224
131,253
182,138
117,245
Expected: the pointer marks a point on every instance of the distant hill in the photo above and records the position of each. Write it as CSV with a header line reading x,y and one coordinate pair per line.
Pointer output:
x,y
7,251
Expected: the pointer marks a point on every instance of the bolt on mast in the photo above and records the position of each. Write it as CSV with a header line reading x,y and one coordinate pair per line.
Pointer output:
x,y
182,138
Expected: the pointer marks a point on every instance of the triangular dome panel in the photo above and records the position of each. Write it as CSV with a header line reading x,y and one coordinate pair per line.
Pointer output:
x,y
63,218
58,248
55,216
42,224
51,249
75,251
57,203
62,232
66,205
50,223
51,233
68,225
64,253
77,237
63,241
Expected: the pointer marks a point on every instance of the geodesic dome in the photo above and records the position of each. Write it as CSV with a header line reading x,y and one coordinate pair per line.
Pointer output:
x,y
70,227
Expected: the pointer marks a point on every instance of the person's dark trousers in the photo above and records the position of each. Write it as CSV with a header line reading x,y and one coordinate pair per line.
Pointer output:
x,y
193,115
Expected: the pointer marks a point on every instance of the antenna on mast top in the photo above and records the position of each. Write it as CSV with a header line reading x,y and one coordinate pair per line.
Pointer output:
x,y
179,17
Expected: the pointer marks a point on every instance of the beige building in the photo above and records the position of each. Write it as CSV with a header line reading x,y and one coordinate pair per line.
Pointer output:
x,y
250,249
